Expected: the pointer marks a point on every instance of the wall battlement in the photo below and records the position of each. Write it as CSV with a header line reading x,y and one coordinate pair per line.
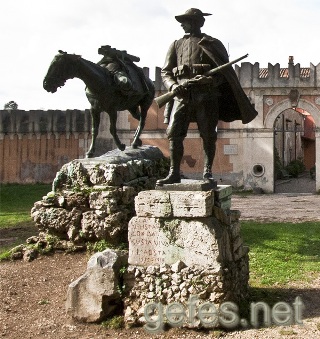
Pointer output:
x,y
252,76
44,122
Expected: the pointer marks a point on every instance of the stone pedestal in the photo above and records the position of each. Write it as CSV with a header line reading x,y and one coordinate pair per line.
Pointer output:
x,y
185,242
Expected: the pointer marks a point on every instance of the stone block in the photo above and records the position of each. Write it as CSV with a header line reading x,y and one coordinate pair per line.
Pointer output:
x,y
107,201
112,228
196,242
221,215
186,204
224,204
190,204
95,295
235,229
241,252
234,215
57,221
222,192
226,216
153,204
189,185
146,242
237,243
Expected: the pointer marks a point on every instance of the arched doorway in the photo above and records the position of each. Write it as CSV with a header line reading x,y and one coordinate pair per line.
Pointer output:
x,y
296,138
294,152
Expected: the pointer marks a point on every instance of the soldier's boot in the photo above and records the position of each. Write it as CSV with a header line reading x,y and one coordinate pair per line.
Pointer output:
x,y
176,154
209,153
207,173
172,178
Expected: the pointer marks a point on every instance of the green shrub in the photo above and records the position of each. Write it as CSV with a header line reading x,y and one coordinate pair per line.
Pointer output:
x,y
115,323
98,246
295,167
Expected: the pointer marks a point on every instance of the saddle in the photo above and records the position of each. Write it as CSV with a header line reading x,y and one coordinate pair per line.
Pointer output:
x,y
119,63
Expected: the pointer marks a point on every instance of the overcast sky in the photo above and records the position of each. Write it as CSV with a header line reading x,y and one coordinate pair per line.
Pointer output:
x,y
32,32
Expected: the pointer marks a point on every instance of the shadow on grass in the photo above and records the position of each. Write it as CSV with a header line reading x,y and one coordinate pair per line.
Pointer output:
x,y
309,296
13,236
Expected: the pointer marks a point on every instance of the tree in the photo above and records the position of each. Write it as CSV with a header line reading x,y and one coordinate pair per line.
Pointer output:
x,y
11,105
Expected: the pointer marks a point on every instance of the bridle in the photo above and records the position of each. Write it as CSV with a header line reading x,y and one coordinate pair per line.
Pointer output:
x,y
65,68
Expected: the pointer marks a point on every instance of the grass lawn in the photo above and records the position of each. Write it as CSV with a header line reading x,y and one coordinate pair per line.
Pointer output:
x,y
282,252
279,252
16,202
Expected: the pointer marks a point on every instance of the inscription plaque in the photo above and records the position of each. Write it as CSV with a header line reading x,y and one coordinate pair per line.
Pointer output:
x,y
230,149
156,241
147,245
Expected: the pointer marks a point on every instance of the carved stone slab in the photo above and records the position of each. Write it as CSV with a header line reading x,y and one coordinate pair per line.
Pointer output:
x,y
185,204
196,242
153,204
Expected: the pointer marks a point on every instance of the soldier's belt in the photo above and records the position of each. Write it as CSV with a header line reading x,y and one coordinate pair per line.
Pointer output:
x,y
185,71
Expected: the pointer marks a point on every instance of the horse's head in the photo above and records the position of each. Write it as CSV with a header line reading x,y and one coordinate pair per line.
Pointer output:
x,y
60,70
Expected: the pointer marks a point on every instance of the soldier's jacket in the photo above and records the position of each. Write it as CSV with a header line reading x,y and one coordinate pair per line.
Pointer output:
x,y
190,56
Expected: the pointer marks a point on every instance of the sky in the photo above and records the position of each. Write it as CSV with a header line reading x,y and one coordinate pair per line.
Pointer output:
x,y
32,32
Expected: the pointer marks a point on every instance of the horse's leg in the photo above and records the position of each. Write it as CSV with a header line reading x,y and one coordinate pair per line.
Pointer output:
x,y
143,114
135,112
113,129
95,118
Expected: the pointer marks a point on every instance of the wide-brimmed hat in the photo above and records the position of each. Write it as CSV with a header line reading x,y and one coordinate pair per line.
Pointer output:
x,y
192,13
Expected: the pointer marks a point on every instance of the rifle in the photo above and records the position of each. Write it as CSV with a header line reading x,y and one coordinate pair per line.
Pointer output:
x,y
165,98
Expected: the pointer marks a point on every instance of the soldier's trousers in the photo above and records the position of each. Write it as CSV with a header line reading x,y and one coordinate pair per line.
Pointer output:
x,y
205,114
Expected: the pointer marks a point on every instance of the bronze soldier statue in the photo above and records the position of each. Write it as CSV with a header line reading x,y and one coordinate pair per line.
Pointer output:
x,y
199,98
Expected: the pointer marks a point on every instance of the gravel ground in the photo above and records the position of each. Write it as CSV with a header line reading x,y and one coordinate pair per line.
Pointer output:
x,y
286,207
303,184
32,295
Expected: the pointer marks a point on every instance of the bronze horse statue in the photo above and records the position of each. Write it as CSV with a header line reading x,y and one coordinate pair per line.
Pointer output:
x,y
102,93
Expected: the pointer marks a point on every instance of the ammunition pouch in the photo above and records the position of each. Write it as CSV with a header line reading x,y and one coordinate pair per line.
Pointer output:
x,y
187,72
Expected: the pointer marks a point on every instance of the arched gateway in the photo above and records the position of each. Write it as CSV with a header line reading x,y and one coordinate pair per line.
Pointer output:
x,y
274,90
310,109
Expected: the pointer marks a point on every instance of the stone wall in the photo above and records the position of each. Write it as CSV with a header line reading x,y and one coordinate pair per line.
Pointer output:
x,y
35,144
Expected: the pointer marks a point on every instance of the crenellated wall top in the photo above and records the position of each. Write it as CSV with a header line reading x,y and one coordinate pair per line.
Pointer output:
x,y
253,76
39,121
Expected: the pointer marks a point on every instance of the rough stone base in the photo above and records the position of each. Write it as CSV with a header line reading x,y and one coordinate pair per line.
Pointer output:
x,y
184,244
93,199
167,284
